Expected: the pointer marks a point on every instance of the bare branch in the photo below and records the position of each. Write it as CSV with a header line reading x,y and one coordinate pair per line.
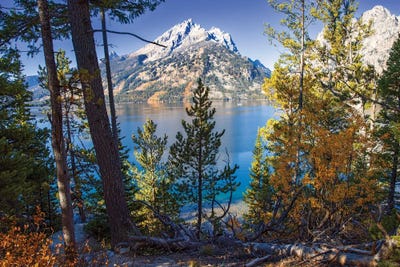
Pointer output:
x,y
134,35
258,261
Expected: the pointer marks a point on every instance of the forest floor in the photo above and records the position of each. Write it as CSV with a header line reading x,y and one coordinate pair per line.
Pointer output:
x,y
218,257
224,253
93,253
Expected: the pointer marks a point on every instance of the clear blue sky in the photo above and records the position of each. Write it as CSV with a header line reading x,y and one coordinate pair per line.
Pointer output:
x,y
243,19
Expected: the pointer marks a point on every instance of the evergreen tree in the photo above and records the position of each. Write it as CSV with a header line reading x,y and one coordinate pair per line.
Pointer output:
x,y
72,103
193,161
388,122
80,29
154,186
258,196
25,163
295,38
340,67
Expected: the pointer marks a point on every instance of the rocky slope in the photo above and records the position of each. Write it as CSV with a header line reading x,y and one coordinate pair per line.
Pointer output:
x,y
386,29
155,73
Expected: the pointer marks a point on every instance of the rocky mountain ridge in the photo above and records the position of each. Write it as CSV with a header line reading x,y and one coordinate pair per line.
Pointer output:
x,y
155,73
184,36
385,30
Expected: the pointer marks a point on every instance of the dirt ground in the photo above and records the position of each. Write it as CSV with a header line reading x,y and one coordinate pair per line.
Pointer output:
x,y
208,255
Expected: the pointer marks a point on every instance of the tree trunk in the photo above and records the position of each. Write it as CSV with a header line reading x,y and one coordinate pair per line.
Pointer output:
x,y
303,33
77,181
109,80
199,206
57,132
200,191
104,144
301,89
393,178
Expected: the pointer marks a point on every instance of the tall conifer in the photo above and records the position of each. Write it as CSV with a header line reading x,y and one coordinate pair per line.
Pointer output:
x,y
258,196
25,163
154,186
193,160
388,122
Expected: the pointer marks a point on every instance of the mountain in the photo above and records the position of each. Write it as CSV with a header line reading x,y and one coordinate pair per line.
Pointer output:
x,y
156,73
38,93
386,28
168,74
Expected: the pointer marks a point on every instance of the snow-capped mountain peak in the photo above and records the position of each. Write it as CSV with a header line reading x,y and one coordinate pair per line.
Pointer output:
x,y
222,37
183,35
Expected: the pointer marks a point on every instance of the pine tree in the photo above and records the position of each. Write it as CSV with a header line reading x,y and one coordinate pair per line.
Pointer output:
x,y
388,122
258,196
80,29
295,38
154,186
193,160
25,163
72,103
340,67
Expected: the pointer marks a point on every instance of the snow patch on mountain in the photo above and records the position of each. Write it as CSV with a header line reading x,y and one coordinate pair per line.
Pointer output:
x,y
183,36
223,38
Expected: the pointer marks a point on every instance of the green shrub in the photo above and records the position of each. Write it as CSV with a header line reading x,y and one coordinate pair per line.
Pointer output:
x,y
98,227
389,222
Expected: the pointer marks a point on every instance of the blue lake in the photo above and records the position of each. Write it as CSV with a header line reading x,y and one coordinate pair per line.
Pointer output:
x,y
240,121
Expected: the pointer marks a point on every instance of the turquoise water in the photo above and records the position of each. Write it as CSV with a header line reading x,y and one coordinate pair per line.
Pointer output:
x,y
240,122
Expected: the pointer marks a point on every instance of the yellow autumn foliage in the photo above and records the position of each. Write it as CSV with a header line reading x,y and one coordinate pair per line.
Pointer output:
x,y
26,246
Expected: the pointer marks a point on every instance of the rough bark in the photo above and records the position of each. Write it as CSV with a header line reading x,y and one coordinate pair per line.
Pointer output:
x,y
104,144
57,132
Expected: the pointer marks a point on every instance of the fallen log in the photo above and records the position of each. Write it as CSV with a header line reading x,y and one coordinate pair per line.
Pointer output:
x,y
324,254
